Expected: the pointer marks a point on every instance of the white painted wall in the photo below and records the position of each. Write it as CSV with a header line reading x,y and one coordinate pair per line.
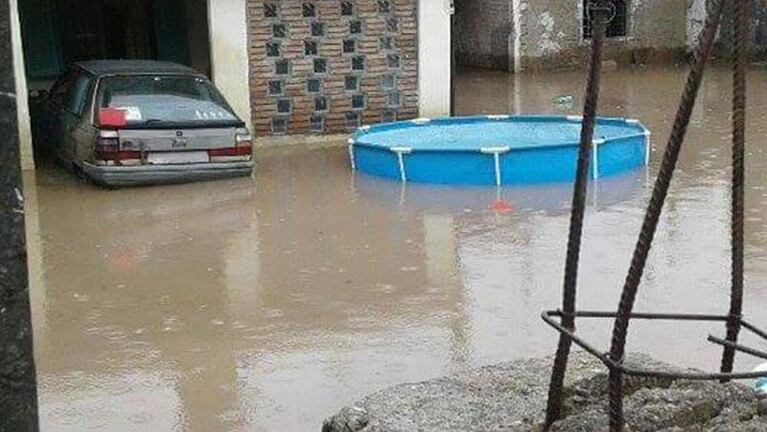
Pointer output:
x,y
434,57
228,26
696,17
25,130
516,18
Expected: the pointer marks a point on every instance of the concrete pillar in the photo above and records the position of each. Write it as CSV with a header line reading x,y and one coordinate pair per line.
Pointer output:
x,y
228,24
434,57
25,129
18,385
38,292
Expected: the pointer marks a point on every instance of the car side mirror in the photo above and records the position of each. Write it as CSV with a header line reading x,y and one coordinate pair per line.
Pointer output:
x,y
39,94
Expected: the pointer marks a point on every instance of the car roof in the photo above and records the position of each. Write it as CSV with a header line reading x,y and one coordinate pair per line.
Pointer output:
x,y
131,67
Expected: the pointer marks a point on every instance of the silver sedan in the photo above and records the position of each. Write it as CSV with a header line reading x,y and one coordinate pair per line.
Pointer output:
x,y
126,123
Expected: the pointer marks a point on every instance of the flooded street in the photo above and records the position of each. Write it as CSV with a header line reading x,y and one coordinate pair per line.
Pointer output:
x,y
266,304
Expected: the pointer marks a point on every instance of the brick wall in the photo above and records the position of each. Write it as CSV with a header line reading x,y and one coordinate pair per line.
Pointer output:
x,y
326,66
481,33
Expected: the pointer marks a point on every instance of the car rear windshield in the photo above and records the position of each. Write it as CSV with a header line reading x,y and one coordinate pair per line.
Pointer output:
x,y
165,101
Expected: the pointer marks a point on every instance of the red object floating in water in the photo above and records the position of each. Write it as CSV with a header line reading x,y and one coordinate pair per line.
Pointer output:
x,y
501,206
111,117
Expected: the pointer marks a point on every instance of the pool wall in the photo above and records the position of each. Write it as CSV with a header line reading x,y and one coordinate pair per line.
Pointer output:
x,y
502,164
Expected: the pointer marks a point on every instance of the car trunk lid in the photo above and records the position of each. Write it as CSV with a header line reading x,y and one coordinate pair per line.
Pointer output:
x,y
177,140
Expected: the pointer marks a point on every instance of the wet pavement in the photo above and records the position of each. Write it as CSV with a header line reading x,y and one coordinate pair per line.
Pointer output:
x,y
266,304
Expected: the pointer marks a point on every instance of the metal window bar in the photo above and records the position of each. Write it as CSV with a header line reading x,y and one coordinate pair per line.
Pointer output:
x,y
564,320
617,19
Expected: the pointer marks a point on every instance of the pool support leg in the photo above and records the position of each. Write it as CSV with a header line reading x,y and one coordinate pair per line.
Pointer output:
x,y
496,152
595,157
352,163
401,152
648,137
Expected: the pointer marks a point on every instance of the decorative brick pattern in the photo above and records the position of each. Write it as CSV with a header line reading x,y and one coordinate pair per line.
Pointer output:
x,y
326,66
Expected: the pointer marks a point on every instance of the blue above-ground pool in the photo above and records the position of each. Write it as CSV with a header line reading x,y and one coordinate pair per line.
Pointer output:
x,y
490,150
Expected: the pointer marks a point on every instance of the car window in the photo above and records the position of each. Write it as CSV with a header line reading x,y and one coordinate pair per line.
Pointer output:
x,y
71,91
162,100
78,94
62,87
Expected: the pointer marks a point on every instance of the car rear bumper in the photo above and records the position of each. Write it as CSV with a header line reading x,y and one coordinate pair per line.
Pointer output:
x,y
158,174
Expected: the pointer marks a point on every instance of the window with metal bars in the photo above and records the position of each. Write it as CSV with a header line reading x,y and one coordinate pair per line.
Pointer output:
x,y
276,88
320,66
347,8
321,104
353,120
359,102
350,46
318,29
618,15
308,10
279,30
358,63
313,85
311,48
388,116
352,83
271,10
273,49
282,67
316,123
279,125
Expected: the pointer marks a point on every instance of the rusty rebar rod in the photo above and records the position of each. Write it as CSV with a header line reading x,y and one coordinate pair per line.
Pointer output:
x,y
655,208
738,347
18,385
624,370
741,32
599,9
563,320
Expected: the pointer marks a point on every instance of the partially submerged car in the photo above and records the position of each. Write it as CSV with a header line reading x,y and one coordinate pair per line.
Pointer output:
x,y
136,122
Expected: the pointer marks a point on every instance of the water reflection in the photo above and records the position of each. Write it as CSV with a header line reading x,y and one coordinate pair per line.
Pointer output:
x,y
551,199
134,311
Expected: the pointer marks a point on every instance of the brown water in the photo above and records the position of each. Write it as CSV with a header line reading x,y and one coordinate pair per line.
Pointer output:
x,y
266,304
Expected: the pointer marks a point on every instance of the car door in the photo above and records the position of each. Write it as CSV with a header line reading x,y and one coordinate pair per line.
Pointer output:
x,y
75,124
63,114
52,110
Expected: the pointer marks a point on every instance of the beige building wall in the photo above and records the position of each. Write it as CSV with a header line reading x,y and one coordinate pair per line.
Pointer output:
x,y
434,52
549,34
228,26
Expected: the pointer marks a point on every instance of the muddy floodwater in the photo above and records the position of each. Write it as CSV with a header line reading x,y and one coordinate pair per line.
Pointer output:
x,y
266,304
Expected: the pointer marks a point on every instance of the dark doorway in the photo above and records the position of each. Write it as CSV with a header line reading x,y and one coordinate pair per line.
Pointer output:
x,y
482,31
59,32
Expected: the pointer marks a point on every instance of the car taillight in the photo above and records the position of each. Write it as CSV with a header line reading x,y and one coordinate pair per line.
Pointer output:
x,y
231,151
108,148
243,146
